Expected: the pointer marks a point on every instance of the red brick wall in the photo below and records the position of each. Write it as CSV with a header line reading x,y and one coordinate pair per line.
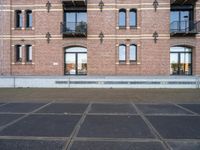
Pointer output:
x,y
48,59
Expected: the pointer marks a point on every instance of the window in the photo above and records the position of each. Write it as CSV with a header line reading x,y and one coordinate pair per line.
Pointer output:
x,y
133,18
180,61
133,53
18,53
122,18
76,21
181,18
19,19
122,53
28,53
29,19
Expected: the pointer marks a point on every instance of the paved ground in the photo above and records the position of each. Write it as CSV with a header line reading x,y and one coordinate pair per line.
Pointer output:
x,y
101,95
99,126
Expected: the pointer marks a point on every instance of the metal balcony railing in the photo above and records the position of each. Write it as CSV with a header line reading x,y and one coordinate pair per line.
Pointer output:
x,y
74,28
74,2
181,2
184,27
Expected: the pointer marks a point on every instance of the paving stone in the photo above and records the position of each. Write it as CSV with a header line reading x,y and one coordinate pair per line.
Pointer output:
x,y
112,108
177,127
43,126
161,109
7,118
64,108
184,145
193,107
105,145
13,144
20,107
114,127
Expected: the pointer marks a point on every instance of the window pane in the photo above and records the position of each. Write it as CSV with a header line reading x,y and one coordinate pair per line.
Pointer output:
x,y
70,21
133,53
19,19
18,53
122,18
122,53
81,17
133,18
29,53
29,19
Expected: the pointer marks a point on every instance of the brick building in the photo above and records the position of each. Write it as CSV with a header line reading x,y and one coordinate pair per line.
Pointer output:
x,y
99,37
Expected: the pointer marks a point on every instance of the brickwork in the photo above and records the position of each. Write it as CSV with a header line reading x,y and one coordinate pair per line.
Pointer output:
x,y
48,58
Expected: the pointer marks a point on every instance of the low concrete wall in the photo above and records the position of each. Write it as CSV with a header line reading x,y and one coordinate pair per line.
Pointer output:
x,y
100,82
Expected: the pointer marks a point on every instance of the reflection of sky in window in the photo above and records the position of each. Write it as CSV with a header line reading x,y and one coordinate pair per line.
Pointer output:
x,y
132,52
174,58
122,18
70,58
132,18
30,19
122,52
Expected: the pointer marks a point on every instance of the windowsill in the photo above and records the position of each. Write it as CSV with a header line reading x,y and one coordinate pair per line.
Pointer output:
x,y
29,63
133,62
18,28
29,28
133,27
122,63
122,27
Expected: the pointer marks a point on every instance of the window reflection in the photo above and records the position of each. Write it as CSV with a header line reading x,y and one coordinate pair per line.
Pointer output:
x,y
180,61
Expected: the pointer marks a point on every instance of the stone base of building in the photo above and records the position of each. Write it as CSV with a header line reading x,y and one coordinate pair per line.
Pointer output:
x,y
100,82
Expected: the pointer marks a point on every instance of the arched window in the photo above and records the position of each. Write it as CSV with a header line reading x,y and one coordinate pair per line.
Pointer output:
x,y
180,60
122,53
133,53
122,18
29,19
133,18
29,53
18,53
18,19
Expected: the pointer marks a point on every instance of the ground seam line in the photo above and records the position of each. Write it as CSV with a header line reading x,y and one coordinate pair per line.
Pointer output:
x,y
24,116
76,129
186,109
153,130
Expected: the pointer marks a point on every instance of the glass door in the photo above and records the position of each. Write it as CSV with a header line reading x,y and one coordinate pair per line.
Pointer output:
x,y
82,63
70,63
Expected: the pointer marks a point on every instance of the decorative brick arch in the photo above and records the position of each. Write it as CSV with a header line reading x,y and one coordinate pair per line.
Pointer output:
x,y
75,44
185,43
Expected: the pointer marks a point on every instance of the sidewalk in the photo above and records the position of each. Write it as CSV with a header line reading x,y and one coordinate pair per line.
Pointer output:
x,y
101,95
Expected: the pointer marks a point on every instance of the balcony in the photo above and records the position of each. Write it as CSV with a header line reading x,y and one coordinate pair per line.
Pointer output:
x,y
182,2
187,28
74,3
74,29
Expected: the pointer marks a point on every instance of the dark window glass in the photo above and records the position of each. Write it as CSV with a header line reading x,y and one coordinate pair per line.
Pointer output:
x,y
18,53
133,53
29,19
122,18
122,53
19,19
29,53
133,18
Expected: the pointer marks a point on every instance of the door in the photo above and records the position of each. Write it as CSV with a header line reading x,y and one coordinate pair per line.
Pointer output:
x,y
75,61
180,61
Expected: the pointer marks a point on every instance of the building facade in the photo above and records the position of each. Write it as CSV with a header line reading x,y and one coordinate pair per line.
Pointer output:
x,y
100,37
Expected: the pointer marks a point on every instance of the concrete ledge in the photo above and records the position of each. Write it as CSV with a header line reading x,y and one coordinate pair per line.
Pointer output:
x,y
100,82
